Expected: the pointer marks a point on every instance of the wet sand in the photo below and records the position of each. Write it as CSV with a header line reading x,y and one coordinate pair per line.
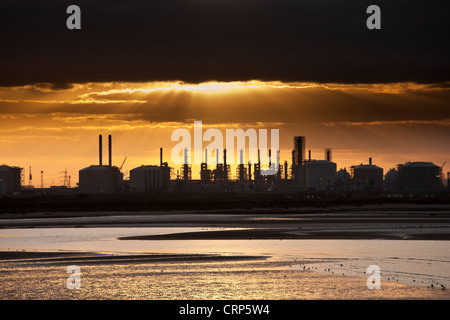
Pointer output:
x,y
42,276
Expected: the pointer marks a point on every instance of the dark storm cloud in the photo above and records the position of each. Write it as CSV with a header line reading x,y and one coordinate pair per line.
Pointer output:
x,y
199,40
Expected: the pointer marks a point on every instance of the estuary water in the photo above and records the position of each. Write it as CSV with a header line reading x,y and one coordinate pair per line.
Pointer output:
x,y
418,262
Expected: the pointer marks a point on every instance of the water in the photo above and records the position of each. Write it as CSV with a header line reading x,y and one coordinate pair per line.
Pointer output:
x,y
404,261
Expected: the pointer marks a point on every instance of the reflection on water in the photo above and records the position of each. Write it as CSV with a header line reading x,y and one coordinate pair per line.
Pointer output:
x,y
405,261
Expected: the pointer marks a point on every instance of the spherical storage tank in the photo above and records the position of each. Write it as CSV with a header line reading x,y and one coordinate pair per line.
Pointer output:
x,y
342,176
320,174
419,176
391,179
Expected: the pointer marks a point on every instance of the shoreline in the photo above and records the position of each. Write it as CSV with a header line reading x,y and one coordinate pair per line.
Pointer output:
x,y
288,234
402,222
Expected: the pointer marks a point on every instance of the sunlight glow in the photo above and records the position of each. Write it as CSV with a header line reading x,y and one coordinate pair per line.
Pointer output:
x,y
52,129
206,87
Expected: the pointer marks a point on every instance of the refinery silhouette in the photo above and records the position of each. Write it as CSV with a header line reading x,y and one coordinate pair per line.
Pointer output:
x,y
302,176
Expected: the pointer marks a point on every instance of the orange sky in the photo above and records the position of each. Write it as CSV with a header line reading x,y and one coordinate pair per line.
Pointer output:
x,y
51,130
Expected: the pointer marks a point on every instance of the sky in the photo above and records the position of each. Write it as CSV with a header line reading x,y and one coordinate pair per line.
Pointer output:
x,y
138,70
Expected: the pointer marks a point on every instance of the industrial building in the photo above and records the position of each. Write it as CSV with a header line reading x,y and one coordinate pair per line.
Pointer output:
x,y
2,188
101,178
448,181
303,175
419,176
309,174
320,175
367,177
148,178
306,175
12,178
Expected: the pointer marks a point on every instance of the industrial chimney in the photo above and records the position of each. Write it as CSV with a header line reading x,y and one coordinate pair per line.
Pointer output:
x,y
100,149
370,161
285,170
225,169
328,154
110,150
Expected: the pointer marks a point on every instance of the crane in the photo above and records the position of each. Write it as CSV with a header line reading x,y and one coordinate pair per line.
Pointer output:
x,y
123,162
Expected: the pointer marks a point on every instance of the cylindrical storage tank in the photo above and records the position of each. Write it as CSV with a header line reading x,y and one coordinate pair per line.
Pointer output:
x,y
100,179
418,176
2,188
320,174
391,180
146,179
448,180
12,177
368,177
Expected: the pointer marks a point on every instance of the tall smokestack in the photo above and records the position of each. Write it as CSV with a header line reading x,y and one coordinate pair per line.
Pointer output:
x,y
225,169
100,148
160,157
309,155
328,154
370,161
110,150
285,170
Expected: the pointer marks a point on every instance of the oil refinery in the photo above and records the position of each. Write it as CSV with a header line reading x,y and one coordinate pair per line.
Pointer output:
x,y
302,175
